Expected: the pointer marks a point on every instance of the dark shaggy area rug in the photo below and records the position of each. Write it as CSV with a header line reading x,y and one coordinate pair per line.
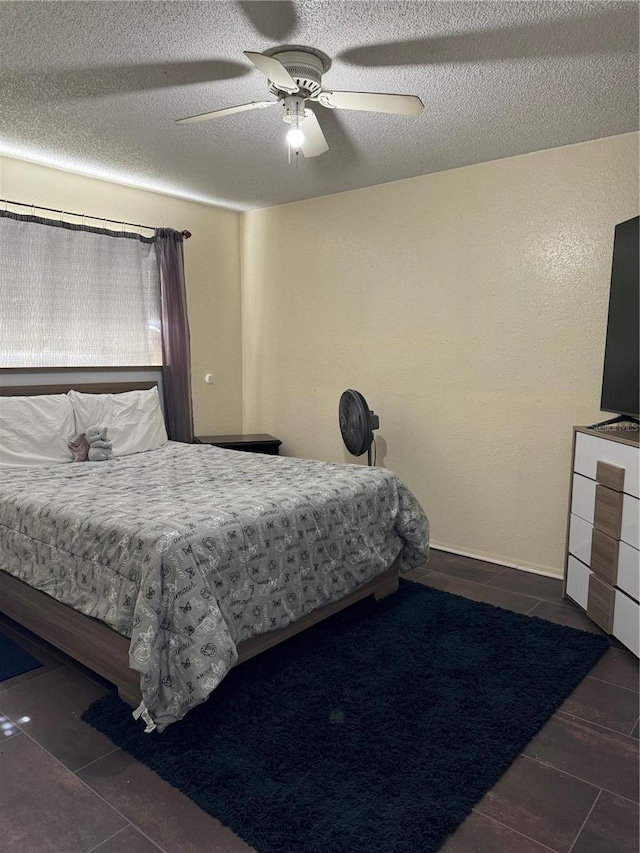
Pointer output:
x,y
376,730
14,660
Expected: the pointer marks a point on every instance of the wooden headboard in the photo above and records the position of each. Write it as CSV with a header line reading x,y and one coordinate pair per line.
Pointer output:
x,y
95,387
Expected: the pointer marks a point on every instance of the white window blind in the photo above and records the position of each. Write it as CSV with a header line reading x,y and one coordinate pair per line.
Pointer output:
x,y
76,298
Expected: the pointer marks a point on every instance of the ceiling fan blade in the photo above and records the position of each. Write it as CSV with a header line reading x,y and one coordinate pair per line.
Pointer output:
x,y
343,145
406,105
227,111
314,141
275,20
273,70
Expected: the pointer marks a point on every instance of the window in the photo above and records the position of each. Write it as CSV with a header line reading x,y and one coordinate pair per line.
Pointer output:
x,y
72,296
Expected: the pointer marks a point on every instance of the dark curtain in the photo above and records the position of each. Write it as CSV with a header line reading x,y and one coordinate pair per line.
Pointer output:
x,y
176,359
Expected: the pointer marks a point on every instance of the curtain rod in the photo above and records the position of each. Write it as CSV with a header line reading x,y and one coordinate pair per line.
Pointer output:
x,y
34,207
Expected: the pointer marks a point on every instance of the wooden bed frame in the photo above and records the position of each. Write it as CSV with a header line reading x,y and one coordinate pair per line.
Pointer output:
x,y
97,646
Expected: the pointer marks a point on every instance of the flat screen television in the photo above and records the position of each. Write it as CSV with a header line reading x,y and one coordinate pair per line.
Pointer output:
x,y
620,378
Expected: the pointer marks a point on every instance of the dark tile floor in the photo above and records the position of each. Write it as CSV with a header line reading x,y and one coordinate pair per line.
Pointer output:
x,y
64,788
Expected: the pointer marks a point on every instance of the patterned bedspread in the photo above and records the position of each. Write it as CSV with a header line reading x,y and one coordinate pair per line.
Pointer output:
x,y
190,549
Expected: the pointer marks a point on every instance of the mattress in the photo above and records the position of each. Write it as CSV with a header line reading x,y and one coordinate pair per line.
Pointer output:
x,y
190,549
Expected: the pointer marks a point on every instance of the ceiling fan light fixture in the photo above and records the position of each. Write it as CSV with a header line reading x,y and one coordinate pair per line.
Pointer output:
x,y
295,136
294,115
293,109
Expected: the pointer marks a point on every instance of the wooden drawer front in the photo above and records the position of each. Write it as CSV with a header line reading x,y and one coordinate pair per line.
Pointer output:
x,y
629,570
583,497
604,556
626,622
600,603
590,450
630,529
610,475
578,582
580,533
268,449
607,513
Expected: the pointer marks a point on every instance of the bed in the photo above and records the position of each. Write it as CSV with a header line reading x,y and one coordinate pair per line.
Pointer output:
x,y
163,569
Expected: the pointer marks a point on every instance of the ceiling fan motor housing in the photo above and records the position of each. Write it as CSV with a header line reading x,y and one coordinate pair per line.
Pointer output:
x,y
305,66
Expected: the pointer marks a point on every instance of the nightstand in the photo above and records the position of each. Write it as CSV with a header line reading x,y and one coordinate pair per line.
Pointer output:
x,y
260,442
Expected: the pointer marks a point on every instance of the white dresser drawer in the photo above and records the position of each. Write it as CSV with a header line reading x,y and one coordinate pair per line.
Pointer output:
x,y
580,534
578,582
630,530
626,622
590,449
629,570
583,498
583,501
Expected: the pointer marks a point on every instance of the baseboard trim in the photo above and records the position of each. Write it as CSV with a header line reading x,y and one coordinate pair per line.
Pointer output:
x,y
535,570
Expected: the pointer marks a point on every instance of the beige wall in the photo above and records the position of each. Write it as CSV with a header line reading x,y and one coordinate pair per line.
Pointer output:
x,y
469,307
212,271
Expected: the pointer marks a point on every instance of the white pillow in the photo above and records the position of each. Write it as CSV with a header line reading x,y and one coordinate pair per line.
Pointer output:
x,y
35,430
133,419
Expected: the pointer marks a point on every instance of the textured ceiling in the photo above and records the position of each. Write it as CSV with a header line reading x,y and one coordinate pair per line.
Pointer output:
x,y
96,87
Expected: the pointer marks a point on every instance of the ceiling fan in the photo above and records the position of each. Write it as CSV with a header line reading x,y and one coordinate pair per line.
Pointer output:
x,y
295,77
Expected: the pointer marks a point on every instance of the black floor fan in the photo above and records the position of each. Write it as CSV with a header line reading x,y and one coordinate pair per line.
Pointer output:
x,y
357,422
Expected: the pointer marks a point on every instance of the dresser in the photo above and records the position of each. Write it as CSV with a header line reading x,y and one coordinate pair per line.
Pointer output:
x,y
602,569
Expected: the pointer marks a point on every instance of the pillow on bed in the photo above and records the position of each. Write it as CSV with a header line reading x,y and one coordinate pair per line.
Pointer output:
x,y
133,419
35,430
